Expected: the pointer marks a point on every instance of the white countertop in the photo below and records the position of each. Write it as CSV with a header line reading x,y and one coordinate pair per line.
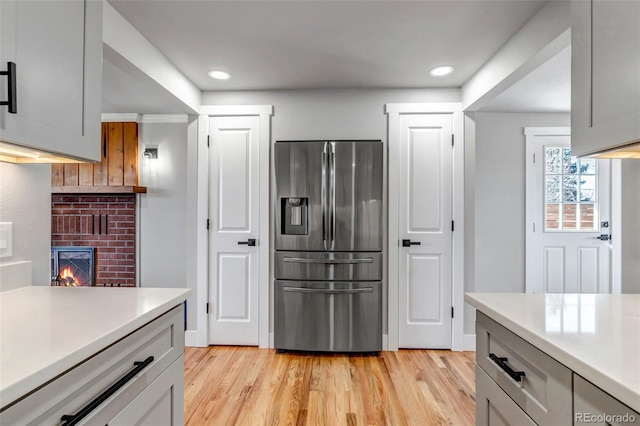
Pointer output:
x,y
595,335
44,331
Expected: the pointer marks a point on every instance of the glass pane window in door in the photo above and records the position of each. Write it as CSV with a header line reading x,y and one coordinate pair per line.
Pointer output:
x,y
569,215
553,187
569,188
553,160
569,162
552,213
570,191
588,166
587,188
588,216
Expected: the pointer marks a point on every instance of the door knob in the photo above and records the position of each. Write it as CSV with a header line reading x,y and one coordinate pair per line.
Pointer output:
x,y
408,243
251,242
604,237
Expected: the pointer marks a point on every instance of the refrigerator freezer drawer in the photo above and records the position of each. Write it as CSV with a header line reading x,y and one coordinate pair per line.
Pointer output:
x,y
328,316
319,266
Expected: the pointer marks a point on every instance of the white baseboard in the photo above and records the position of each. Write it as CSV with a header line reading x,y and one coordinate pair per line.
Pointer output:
x,y
469,342
191,338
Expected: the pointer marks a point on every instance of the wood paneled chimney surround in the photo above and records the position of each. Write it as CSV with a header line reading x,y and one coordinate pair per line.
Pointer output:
x,y
116,173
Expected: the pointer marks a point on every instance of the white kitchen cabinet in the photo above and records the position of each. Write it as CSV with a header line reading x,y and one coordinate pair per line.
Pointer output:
x,y
493,405
526,377
594,406
160,403
57,48
145,370
605,74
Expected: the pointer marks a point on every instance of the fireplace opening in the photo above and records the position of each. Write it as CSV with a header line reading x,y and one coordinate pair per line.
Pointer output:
x,y
72,266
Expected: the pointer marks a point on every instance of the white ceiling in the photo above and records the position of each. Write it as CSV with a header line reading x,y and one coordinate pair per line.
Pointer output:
x,y
303,44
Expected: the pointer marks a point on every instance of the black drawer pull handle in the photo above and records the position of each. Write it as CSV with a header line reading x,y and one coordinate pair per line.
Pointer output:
x,y
250,242
409,243
502,363
12,100
70,420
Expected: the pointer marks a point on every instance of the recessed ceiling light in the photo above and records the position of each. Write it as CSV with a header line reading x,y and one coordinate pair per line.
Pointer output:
x,y
441,71
219,75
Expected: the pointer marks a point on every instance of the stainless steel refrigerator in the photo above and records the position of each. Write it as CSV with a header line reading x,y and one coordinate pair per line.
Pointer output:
x,y
328,246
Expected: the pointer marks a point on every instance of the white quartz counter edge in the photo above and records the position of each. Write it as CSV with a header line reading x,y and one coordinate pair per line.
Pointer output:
x,y
19,388
619,390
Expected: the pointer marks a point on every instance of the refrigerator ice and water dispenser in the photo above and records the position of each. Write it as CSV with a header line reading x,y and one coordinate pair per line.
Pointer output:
x,y
295,217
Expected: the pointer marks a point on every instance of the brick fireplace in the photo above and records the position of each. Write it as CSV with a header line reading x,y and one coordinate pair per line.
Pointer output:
x,y
105,222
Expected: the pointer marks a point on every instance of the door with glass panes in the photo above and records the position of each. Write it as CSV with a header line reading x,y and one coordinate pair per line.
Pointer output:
x,y
568,207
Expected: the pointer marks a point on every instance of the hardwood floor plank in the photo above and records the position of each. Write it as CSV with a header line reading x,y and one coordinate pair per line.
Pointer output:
x,y
406,383
392,404
250,386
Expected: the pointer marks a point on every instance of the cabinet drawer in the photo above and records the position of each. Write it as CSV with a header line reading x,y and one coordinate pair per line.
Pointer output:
x,y
160,404
494,407
594,406
162,339
544,392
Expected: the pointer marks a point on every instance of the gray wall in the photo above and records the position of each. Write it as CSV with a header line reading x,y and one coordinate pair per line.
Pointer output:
x,y
162,210
496,187
25,200
630,256
330,114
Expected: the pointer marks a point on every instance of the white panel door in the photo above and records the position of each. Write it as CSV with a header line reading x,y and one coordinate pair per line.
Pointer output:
x,y
233,212
569,205
425,223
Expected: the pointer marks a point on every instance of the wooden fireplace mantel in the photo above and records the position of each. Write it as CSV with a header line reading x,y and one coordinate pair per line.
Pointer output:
x,y
116,173
101,189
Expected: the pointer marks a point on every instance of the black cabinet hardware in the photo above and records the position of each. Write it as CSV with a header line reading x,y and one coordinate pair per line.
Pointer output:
x,y
604,237
73,419
502,363
104,142
409,243
12,100
251,242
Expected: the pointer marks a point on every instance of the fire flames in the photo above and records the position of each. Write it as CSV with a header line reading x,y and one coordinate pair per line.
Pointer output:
x,y
66,278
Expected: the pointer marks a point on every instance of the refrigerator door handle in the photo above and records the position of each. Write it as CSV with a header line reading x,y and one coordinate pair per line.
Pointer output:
x,y
323,195
327,291
328,261
332,195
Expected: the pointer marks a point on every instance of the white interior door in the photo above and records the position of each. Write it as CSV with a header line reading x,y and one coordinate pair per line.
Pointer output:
x,y
233,211
568,208
425,214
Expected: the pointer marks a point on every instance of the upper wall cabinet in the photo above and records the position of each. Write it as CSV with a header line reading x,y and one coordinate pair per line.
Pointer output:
x,y
57,50
605,74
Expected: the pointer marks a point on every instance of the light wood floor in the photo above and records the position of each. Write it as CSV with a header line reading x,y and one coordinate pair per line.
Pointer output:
x,y
249,386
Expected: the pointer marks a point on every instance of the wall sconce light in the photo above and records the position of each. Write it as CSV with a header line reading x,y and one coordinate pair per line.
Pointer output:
x,y
150,153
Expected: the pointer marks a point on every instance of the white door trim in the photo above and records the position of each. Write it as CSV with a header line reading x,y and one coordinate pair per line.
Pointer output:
x,y
457,292
202,269
616,220
532,238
